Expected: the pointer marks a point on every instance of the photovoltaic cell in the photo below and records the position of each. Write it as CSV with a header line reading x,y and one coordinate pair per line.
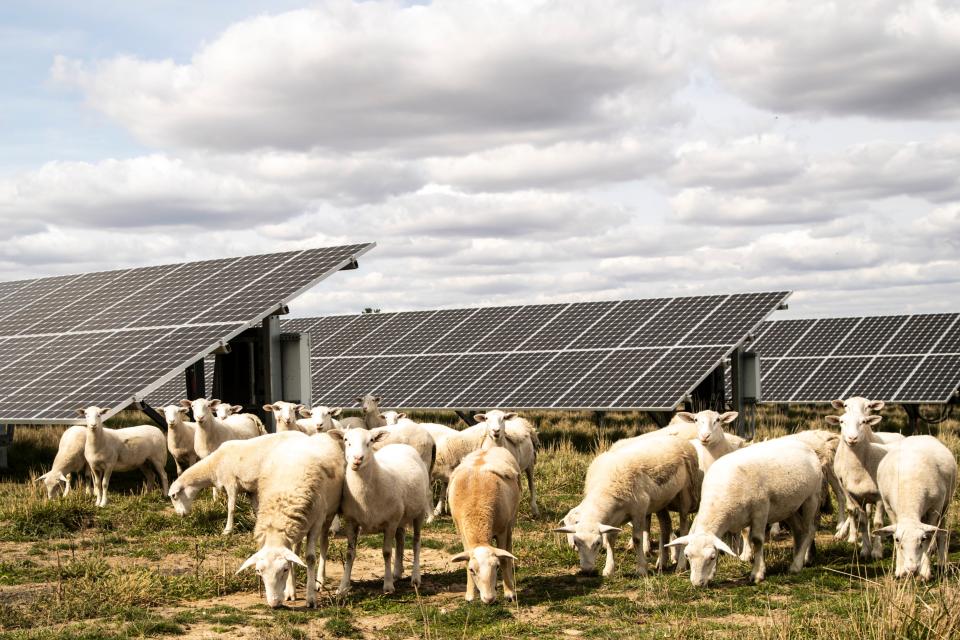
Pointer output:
x,y
678,369
407,380
725,325
677,319
620,323
776,338
521,326
784,377
440,391
824,337
547,387
871,336
576,319
937,384
476,328
380,340
920,333
499,381
371,377
441,323
353,333
833,374
618,372
883,377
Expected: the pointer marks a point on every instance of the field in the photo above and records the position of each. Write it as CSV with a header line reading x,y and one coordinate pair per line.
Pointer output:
x,y
136,569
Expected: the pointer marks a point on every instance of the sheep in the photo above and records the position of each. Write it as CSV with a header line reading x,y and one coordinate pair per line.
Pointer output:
x,y
319,419
686,426
285,414
824,443
383,491
411,434
452,447
180,437
299,488
212,431
751,487
69,460
484,496
393,417
855,465
520,438
371,411
626,485
917,480
233,415
233,467
108,450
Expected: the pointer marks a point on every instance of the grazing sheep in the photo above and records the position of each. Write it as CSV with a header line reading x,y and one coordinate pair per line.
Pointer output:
x,y
751,487
69,460
384,491
626,485
233,467
319,419
484,498
917,480
212,431
108,450
301,480
180,437
855,465
520,438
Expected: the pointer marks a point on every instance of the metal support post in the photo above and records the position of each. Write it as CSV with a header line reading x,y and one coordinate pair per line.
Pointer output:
x,y
271,366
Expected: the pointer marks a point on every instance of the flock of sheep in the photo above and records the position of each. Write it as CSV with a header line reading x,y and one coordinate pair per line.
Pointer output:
x,y
320,474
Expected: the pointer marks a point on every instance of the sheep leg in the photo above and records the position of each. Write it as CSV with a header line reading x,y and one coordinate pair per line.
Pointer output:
x,y
509,585
876,544
148,476
415,574
105,484
943,540
317,530
388,535
878,514
746,549
164,482
322,562
646,536
758,530
231,506
863,522
666,529
95,479
534,510
806,523
684,530
398,553
290,590
348,561
609,540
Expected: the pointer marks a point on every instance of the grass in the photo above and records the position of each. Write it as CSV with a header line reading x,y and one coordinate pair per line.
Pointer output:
x,y
135,569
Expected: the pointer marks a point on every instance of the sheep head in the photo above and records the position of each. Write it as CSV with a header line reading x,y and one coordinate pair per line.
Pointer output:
x,y
588,540
483,561
702,551
274,564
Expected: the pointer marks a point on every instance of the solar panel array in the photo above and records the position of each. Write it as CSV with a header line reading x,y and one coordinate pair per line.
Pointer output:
x,y
111,337
905,358
629,354
175,389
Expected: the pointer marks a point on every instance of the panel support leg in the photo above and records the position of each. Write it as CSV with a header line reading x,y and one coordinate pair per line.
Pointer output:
x,y
467,417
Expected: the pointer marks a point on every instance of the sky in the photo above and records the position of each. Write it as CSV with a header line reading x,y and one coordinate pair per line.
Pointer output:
x,y
497,152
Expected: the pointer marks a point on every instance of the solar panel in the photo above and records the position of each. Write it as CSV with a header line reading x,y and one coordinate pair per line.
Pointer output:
x,y
903,358
175,389
629,354
114,337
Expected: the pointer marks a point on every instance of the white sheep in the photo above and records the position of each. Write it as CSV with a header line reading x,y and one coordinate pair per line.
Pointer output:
x,y
233,415
69,460
452,447
520,438
108,450
484,498
181,434
627,485
917,480
410,434
212,431
319,419
855,465
768,482
824,443
383,491
370,405
301,480
233,467
286,417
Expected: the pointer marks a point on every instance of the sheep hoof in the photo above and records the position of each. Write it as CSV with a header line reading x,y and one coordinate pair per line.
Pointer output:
x,y
509,595
342,591
388,589
311,603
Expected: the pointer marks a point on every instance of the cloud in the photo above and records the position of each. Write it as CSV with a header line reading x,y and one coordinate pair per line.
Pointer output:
x,y
452,76
886,59
707,206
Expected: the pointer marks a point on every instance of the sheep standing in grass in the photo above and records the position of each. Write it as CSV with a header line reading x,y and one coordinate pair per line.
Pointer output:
x,y
212,431
855,464
627,485
108,450
233,467
384,491
301,480
752,487
181,434
452,448
520,438
69,460
917,480
484,497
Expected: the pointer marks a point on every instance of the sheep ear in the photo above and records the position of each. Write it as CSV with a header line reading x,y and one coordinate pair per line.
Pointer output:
x,y
290,556
359,400
463,556
306,413
379,436
336,412
728,417
376,398
81,411
480,417
62,478
837,404
873,420
889,530
605,528
686,416
722,546
401,416
185,404
182,410
676,542
566,529
269,408
249,562
104,412
43,477
336,434
214,404
929,528
876,405
834,420
509,416
236,408
503,553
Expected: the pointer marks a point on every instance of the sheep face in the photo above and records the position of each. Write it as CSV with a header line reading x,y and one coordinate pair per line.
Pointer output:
x,y
482,563
496,423
273,565
225,410
203,410
392,417
359,446
854,427
324,416
588,541
53,482
856,404
285,414
710,425
182,497
702,551
93,416
912,542
369,403
173,414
